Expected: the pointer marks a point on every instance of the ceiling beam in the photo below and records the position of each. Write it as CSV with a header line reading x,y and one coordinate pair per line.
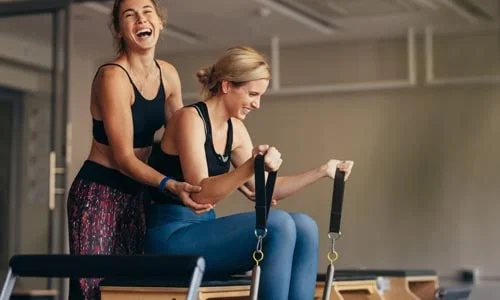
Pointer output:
x,y
337,8
31,7
459,10
430,4
298,16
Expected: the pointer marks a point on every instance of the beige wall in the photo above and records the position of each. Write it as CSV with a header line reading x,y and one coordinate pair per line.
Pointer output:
x,y
424,189
82,72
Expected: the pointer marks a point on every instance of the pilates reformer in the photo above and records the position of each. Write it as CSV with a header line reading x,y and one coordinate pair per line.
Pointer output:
x,y
167,267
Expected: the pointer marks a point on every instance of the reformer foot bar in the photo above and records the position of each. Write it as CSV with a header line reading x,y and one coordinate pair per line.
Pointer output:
x,y
167,267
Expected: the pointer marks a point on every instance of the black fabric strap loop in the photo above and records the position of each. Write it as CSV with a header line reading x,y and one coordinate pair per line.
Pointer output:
x,y
263,193
337,201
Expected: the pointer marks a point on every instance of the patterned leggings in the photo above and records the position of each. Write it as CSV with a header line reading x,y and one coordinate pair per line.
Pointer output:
x,y
105,216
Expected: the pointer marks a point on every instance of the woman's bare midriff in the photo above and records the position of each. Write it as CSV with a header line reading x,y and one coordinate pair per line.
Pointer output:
x,y
102,155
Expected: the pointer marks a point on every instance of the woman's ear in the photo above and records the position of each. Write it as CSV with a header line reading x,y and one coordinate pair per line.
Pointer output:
x,y
225,86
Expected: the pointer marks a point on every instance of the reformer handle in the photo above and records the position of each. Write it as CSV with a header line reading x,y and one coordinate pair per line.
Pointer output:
x,y
263,194
337,201
263,197
334,229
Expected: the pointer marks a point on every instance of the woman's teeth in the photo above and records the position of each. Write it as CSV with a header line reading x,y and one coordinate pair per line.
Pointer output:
x,y
144,33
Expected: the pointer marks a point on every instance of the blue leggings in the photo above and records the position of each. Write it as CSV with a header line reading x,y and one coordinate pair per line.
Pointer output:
x,y
291,246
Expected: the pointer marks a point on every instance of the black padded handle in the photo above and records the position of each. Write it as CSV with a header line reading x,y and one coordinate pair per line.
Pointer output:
x,y
337,201
455,293
263,192
82,266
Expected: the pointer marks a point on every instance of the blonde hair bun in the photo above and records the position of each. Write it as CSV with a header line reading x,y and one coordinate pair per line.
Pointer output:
x,y
204,75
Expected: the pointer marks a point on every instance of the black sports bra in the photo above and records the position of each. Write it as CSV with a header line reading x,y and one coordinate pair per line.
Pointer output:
x,y
148,115
170,164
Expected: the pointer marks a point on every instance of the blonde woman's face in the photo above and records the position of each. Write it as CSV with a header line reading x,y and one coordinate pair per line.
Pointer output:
x,y
246,98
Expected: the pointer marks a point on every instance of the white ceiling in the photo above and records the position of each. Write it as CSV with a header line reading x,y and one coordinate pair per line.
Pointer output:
x,y
220,23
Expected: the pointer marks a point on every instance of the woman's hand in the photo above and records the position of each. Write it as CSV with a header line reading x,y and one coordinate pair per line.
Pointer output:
x,y
332,165
184,191
251,195
272,157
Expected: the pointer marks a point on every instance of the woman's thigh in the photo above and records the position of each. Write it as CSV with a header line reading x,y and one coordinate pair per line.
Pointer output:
x,y
227,243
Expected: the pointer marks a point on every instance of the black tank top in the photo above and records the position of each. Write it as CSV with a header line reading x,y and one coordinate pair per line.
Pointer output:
x,y
147,115
170,165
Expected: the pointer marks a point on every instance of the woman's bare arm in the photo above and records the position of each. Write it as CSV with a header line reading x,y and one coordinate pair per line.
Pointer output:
x,y
189,140
285,185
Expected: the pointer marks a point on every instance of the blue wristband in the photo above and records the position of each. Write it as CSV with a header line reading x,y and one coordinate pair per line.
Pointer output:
x,y
163,183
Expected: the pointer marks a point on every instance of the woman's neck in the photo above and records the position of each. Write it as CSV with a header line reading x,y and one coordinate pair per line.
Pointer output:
x,y
217,111
140,64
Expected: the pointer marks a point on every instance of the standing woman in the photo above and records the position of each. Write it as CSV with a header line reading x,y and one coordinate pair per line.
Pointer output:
x,y
131,98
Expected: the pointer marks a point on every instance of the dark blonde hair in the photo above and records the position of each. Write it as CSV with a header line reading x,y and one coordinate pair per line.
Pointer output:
x,y
119,43
237,65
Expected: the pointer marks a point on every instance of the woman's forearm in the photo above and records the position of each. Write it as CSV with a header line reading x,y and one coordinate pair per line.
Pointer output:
x,y
217,188
289,185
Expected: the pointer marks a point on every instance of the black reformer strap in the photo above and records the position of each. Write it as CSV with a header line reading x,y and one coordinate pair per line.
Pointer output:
x,y
334,230
263,198
337,202
263,193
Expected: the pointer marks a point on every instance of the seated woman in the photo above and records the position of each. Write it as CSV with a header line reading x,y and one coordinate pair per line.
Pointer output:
x,y
198,146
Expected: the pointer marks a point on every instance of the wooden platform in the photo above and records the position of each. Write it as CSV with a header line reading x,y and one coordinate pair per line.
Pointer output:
x,y
404,284
169,293
354,288
149,289
412,288
350,288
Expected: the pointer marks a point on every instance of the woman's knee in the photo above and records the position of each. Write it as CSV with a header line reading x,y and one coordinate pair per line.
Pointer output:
x,y
307,228
281,225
